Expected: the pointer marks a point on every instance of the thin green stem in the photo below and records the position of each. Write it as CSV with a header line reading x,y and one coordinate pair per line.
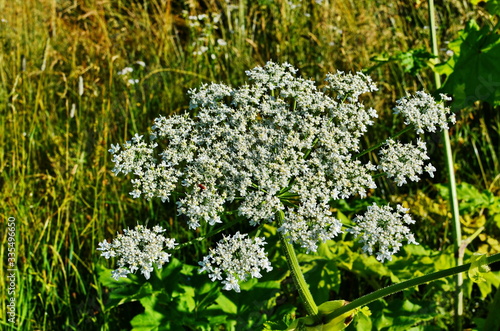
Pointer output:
x,y
297,275
366,299
208,235
457,232
432,24
397,134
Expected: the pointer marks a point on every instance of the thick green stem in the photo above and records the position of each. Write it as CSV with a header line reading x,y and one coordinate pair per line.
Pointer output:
x,y
364,300
457,232
297,275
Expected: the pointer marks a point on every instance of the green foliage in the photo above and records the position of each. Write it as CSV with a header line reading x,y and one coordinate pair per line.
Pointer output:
x,y
492,321
479,209
336,324
178,298
492,6
412,61
473,71
478,268
403,314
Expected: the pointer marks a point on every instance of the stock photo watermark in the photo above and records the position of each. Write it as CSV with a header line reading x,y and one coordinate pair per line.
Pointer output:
x,y
11,270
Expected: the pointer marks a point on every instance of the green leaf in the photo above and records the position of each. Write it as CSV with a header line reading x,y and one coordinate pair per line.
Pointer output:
x,y
226,304
281,325
362,321
412,61
493,7
107,280
478,267
322,279
308,323
400,315
338,323
474,70
128,293
372,270
492,320
152,318
471,199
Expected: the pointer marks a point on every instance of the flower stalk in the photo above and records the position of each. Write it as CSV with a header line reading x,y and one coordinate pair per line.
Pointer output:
x,y
389,290
456,225
297,275
382,143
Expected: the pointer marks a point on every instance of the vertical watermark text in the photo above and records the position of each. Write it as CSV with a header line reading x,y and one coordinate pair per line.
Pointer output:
x,y
11,270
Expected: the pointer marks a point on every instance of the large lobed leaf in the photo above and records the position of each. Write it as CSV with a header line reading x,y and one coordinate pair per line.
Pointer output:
x,y
473,73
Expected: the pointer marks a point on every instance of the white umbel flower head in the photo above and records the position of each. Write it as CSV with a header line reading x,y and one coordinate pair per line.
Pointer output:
x,y
382,230
237,258
138,249
254,145
277,145
424,112
404,161
349,86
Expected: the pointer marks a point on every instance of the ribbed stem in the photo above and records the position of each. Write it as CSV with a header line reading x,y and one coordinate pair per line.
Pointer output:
x,y
364,300
297,275
457,231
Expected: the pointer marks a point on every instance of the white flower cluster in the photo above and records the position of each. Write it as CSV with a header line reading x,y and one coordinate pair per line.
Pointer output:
x,y
351,86
424,112
238,258
401,161
278,144
136,249
127,71
257,144
381,227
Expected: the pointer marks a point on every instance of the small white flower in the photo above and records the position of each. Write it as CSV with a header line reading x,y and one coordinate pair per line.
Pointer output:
x,y
383,231
221,42
349,86
125,71
80,86
136,249
429,168
135,194
239,258
424,112
404,161
136,138
216,17
120,272
114,149
231,283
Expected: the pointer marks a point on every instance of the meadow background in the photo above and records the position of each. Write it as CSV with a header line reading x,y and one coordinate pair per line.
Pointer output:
x,y
64,98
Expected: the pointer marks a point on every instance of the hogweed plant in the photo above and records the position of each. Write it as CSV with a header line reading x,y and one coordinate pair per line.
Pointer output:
x,y
278,150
